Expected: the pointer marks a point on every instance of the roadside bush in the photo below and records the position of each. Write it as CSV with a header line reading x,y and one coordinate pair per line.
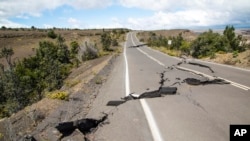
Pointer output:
x,y
51,34
25,81
106,41
114,42
235,54
88,52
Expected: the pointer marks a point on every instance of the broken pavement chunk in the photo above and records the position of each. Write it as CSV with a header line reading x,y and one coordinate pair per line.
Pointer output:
x,y
84,125
194,81
168,90
152,94
201,65
115,102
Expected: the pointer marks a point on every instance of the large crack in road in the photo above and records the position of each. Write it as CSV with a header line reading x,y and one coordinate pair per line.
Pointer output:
x,y
90,125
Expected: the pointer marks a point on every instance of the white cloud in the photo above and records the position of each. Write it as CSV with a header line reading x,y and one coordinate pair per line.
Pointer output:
x,y
190,18
166,13
4,22
34,8
173,5
74,23
47,26
115,23
186,13
86,4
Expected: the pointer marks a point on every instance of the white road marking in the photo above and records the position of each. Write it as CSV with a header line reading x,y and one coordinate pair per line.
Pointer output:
x,y
127,85
149,116
160,63
151,121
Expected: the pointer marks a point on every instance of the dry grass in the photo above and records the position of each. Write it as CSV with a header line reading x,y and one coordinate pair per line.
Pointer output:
x,y
167,51
242,60
187,34
25,42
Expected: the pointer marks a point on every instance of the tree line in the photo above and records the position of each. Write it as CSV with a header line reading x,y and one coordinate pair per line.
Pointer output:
x,y
205,45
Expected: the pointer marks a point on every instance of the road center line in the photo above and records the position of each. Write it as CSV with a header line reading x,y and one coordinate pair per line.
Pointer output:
x,y
149,116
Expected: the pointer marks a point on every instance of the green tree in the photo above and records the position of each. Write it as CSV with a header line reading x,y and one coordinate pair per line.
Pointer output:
x,y
3,28
52,34
74,47
63,53
232,39
106,41
207,44
33,28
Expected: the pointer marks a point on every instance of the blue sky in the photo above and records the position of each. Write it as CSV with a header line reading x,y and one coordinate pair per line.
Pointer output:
x,y
133,14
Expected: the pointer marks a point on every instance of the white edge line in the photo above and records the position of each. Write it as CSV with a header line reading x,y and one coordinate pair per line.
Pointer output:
x,y
149,116
127,85
151,121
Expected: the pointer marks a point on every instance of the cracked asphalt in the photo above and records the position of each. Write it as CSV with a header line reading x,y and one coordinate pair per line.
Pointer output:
x,y
194,113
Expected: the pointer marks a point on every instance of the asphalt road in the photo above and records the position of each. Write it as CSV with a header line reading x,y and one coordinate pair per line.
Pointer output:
x,y
194,113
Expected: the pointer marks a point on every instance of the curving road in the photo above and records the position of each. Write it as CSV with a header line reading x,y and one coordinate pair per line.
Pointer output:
x,y
195,113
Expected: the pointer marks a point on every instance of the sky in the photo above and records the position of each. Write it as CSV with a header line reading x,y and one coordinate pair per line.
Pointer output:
x,y
132,14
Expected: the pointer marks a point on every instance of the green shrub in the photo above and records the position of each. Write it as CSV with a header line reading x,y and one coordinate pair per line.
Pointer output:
x,y
52,34
88,51
235,54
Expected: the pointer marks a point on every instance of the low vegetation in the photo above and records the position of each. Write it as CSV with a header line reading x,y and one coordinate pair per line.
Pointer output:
x,y
206,44
28,80
61,95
